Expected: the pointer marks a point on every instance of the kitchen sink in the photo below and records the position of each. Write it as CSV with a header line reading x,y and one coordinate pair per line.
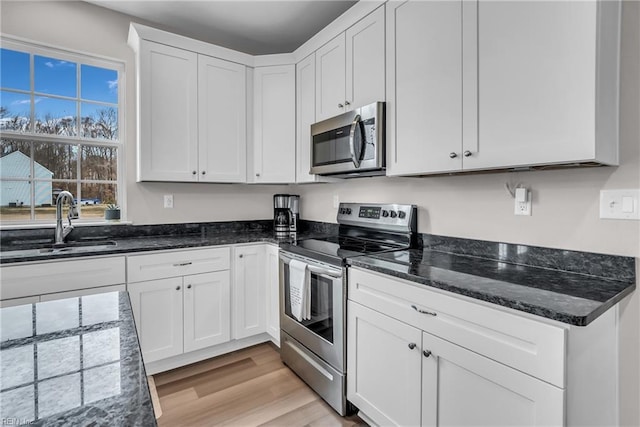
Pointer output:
x,y
39,248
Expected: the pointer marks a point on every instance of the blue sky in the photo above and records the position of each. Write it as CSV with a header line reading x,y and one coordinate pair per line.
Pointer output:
x,y
54,77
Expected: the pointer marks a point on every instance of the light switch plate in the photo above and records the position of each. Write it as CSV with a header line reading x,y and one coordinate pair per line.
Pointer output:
x,y
619,204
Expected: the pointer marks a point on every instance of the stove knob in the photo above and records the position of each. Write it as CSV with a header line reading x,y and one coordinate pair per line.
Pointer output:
x,y
401,214
393,214
348,211
385,213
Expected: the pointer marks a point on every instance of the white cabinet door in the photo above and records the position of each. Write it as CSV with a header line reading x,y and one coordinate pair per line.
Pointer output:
x,y
460,387
275,124
207,314
168,113
222,127
424,82
249,291
536,79
157,310
365,56
383,367
272,276
330,78
305,116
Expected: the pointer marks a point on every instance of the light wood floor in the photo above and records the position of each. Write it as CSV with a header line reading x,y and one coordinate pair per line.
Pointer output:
x,y
250,387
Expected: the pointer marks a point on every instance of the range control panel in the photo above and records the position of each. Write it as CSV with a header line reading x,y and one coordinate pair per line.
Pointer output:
x,y
394,217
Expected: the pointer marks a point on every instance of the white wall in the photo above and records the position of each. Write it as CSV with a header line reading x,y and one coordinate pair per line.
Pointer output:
x,y
565,202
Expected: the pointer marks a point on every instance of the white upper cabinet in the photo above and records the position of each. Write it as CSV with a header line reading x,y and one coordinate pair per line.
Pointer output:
x,y
168,118
350,69
305,116
274,124
222,126
475,85
192,112
424,102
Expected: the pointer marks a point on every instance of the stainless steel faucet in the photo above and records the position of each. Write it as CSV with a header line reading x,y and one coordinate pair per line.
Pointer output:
x,y
63,231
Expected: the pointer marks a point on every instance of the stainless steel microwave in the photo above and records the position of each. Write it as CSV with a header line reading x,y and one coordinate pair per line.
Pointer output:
x,y
351,144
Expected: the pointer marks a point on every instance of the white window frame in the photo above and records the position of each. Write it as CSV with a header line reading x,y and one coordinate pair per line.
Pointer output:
x,y
80,58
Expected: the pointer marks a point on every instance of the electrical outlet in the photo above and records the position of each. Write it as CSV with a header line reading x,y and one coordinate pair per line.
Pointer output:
x,y
168,201
523,202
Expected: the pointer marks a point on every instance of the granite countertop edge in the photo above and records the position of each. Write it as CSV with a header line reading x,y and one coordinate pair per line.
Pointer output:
x,y
538,310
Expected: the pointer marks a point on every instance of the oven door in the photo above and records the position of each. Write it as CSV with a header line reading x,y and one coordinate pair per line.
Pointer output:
x,y
323,334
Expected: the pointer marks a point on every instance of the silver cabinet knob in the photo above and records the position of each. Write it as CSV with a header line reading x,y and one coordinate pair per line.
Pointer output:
x,y
412,345
177,288
340,106
426,353
467,153
453,155
188,286
204,172
347,103
257,174
240,256
194,172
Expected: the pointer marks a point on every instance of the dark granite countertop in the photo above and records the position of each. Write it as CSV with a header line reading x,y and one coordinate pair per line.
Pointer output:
x,y
73,361
23,247
566,296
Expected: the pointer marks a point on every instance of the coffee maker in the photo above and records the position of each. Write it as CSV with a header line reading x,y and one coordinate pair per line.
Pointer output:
x,y
286,214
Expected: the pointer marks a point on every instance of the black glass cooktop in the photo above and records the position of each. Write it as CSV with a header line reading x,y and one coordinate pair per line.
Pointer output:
x,y
341,247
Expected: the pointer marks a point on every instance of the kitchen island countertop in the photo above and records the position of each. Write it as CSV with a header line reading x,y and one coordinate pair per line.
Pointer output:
x,y
73,361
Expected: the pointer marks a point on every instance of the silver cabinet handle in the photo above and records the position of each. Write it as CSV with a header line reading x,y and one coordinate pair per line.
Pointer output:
x,y
340,106
177,288
188,286
412,345
182,264
426,353
453,155
430,313
467,153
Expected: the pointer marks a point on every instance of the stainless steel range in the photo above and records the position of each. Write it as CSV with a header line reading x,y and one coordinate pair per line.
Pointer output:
x,y
313,291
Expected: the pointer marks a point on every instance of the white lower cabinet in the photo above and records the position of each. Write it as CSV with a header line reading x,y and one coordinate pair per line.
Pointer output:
x,y
190,305
249,291
420,356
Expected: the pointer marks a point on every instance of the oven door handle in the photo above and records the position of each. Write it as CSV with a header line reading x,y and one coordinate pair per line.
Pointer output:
x,y
337,274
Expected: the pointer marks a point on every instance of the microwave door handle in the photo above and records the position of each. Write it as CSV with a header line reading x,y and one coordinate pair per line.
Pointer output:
x,y
352,137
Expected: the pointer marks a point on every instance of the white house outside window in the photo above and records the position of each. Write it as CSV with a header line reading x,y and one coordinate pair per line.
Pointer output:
x,y
60,129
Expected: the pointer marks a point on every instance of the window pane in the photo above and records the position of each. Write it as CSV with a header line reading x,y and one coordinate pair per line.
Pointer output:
x,y
15,159
55,161
54,76
98,121
55,116
99,163
15,200
15,111
46,207
99,84
14,68
95,198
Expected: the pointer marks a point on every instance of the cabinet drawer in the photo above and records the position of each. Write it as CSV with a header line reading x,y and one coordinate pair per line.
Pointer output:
x,y
61,276
174,264
530,346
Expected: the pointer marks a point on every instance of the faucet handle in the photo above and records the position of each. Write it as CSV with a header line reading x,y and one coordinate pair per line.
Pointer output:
x,y
73,212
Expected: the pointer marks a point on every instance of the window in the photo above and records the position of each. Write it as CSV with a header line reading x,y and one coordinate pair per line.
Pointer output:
x,y
60,124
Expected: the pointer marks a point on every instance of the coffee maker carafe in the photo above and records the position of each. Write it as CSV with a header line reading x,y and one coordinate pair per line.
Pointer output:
x,y
286,214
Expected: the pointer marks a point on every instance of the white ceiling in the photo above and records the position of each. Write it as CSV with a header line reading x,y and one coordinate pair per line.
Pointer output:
x,y
255,27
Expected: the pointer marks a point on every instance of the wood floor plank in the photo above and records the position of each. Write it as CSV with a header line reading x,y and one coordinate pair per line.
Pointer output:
x,y
249,387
